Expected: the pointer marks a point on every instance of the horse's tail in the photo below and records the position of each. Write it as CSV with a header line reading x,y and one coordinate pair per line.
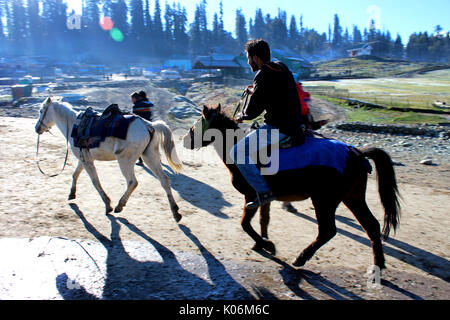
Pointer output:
x,y
167,143
387,188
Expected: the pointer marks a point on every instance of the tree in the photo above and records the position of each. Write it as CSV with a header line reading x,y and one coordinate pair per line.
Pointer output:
x,y
147,17
337,34
34,25
137,21
181,39
168,30
215,31
2,35
17,26
195,42
157,31
241,30
357,37
119,14
293,33
258,25
398,49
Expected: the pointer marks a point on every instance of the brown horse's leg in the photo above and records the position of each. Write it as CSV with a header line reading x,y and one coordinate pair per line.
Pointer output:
x,y
260,243
264,219
370,224
325,213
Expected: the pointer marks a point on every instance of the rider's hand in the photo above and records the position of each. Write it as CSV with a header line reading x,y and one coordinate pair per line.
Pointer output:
x,y
249,89
239,119
323,122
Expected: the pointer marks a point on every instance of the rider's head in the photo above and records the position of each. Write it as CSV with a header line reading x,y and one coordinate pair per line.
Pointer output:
x,y
258,53
135,97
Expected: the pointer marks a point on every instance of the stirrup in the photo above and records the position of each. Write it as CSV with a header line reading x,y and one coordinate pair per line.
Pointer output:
x,y
261,199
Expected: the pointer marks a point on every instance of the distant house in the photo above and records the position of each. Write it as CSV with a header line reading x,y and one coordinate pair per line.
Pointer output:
x,y
180,63
364,50
299,66
229,65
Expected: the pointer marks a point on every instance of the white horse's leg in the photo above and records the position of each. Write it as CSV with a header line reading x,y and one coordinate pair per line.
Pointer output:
x,y
153,160
92,172
127,167
75,177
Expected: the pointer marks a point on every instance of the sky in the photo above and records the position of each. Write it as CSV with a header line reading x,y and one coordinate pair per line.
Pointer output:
x,y
402,17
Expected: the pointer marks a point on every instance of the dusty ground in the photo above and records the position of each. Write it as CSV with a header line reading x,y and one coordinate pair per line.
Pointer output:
x,y
143,253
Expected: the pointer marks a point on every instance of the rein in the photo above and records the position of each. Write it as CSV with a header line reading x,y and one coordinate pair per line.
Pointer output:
x,y
65,160
245,96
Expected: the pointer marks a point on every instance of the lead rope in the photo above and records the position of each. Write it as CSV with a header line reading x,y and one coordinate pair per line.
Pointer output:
x,y
65,160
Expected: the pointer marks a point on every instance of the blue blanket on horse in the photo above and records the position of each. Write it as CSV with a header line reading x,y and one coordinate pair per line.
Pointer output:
x,y
91,129
313,152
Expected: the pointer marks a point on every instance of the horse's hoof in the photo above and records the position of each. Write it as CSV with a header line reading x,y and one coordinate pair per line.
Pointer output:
x,y
177,217
257,247
270,247
299,262
71,197
118,209
108,210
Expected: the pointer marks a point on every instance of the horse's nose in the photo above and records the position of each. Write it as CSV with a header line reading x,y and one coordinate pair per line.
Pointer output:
x,y
38,128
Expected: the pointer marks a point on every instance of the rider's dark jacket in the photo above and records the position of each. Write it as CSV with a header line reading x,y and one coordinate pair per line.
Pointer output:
x,y
144,109
275,91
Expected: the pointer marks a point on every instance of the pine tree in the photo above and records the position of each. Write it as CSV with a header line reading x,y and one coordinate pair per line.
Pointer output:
x,y
357,37
17,27
216,30
293,34
119,15
157,31
181,39
258,25
137,21
2,34
337,34
34,25
168,30
195,41
147,17
276,30
241,30
398,49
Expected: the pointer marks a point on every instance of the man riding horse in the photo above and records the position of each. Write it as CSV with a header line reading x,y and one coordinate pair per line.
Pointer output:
x,y
274,91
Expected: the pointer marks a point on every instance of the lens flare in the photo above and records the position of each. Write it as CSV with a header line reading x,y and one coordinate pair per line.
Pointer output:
x,y
106,23
116,35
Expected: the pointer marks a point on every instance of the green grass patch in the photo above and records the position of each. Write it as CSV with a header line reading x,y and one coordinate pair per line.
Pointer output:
x,y
419,92
383,116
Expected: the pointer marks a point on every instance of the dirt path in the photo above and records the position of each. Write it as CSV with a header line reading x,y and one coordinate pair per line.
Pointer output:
x,y
208,249
322,109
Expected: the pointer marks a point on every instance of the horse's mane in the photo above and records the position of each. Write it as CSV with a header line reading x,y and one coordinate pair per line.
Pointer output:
x,y
67,107
225,122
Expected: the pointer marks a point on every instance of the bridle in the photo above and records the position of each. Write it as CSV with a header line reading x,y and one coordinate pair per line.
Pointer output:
x,y
47,129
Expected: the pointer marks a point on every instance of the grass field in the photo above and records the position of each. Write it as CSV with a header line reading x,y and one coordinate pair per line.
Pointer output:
x,y
419,91
367,66
384,116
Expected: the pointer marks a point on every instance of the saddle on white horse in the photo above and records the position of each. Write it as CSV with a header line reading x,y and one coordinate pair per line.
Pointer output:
x,y
91,128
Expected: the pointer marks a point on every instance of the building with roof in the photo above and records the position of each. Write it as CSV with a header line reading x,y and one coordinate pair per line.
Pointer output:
x,y
300,67
229,65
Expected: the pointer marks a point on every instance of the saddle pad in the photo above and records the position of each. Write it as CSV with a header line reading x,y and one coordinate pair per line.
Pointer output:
x,y
313,152
113,126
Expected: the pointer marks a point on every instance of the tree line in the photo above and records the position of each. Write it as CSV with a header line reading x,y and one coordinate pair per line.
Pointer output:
x,y
141,30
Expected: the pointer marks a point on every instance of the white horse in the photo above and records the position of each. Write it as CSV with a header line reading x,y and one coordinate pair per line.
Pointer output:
x,y
138,143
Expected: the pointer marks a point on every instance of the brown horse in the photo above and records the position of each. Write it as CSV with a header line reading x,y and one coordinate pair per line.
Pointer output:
x,y
327,188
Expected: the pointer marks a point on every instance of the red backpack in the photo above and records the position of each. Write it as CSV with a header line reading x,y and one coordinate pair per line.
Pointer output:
x,y
304,98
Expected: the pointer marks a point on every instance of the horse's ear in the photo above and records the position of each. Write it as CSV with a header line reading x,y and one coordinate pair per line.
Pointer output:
x,y
219,108
48,101
205,111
